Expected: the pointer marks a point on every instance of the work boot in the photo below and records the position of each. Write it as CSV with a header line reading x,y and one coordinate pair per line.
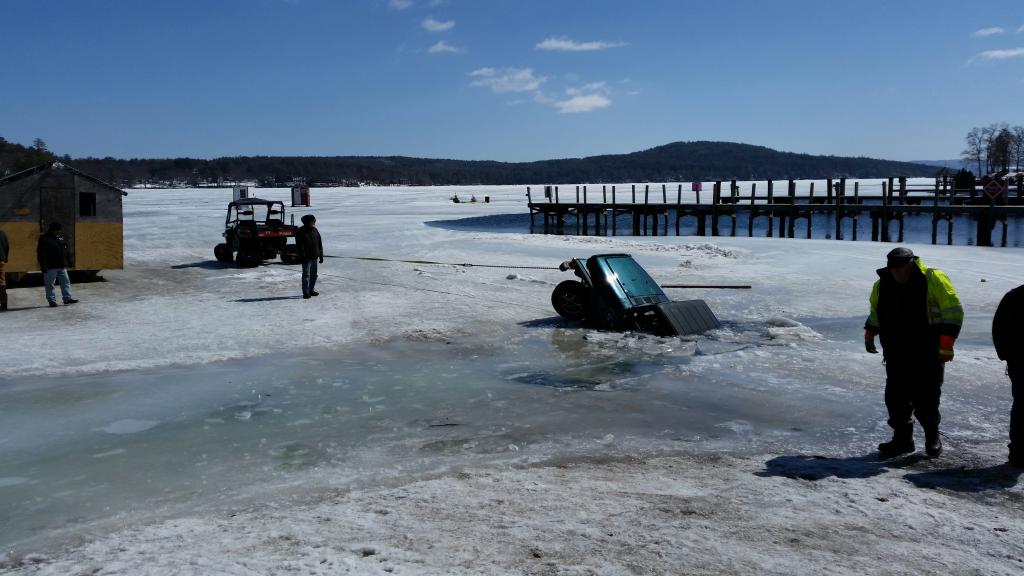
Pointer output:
x,y
70,301
314,293
1016,457
932,442
902,442
3,298
53,304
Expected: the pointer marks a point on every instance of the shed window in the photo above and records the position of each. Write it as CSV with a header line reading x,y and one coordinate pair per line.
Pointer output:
x,y
86,203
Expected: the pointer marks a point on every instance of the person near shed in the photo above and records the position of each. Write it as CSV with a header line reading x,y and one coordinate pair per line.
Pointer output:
x,y
311,252
1006,335
5,250
54,257
917,315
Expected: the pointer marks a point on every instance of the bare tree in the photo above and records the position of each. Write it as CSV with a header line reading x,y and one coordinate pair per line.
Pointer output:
x,y
1018,146
975,150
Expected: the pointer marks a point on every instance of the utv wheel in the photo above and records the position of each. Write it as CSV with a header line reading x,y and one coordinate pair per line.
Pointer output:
x,y
571,299
223,253
248,260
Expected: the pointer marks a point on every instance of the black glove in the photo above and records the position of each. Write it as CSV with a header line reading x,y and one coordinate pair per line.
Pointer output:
x,y
869,342
321,259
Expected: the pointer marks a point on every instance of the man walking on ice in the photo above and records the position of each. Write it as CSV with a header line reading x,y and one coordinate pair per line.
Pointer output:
x,y
917,315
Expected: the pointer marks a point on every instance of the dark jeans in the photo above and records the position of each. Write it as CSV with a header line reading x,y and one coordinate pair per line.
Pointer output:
x,y
308,276
913,388
1016,371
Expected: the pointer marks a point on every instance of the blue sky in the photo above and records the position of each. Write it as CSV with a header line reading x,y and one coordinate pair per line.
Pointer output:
x,y
506,80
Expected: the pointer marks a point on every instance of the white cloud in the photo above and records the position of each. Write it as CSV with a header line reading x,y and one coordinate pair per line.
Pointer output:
x,y
990,55
583,103
585,98
593,87
436,25
507,80
399,4
563,44
994,31
1021,29
443,48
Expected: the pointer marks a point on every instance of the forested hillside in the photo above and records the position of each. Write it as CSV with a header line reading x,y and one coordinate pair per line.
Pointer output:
x,y
676,162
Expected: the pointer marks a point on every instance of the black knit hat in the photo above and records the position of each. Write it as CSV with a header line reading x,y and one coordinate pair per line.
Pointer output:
x,y
56,227
899,256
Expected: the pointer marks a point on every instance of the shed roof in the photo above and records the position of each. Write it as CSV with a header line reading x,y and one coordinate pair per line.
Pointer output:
x,y
57,165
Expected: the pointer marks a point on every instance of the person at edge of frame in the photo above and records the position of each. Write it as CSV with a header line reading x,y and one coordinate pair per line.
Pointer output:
x,y
1006,336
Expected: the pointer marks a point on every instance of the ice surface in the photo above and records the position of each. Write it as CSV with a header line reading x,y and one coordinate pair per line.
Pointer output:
x,y
414,399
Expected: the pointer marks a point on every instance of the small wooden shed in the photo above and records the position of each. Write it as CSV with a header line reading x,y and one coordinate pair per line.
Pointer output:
x,y
89,210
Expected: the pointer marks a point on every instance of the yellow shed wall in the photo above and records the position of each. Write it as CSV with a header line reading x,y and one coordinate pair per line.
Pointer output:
x,y
98,246
23,237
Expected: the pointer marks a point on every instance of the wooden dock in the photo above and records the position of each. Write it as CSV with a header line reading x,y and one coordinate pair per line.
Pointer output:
x,y
596,211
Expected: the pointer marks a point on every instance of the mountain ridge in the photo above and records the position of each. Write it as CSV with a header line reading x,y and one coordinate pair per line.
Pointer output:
x,y
679,161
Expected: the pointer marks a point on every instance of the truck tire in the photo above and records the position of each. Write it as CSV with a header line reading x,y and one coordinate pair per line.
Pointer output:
x,y
571,299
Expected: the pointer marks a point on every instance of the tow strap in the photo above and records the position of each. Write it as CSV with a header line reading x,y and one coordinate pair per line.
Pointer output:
x,y
431,262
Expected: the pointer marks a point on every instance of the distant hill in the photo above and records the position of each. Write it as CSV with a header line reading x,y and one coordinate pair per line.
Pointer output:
x,y
952,164
676,162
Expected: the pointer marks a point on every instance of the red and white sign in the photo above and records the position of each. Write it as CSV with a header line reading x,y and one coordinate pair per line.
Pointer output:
x,y
695,187
994,189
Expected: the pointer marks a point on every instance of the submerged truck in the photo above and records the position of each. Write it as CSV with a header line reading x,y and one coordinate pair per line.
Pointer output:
x,y
614,292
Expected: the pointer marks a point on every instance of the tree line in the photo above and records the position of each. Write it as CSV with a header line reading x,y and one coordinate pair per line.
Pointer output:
x,y
995,148
676,162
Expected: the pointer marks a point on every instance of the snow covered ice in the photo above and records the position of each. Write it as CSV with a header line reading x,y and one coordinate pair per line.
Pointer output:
x,y
200,419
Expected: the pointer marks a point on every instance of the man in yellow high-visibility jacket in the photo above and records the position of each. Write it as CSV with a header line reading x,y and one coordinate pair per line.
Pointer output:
x,y
917,315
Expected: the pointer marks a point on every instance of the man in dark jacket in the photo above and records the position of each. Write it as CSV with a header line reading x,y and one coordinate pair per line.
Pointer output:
x,y
1006,335
5,249
311,251
916,312
54,257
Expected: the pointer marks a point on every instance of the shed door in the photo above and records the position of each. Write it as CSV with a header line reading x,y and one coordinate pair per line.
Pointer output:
x,y
57,204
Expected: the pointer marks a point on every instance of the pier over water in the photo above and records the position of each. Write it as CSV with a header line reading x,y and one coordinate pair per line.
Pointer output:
x,y
783,209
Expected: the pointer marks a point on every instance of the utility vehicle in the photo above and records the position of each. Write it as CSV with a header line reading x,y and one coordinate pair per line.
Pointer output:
x,y
255,231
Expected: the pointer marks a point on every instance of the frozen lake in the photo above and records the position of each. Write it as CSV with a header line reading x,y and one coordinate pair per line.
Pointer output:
x,y
185,389
169,441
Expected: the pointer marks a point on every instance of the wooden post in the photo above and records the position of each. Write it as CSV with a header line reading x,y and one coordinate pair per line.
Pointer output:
x,y
664,202
584,195
885,211
556,194
856,200
613,211
828,194
529,202
679,206
578,193
791,225
771,209
716,198
647,191
604,194
634,193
